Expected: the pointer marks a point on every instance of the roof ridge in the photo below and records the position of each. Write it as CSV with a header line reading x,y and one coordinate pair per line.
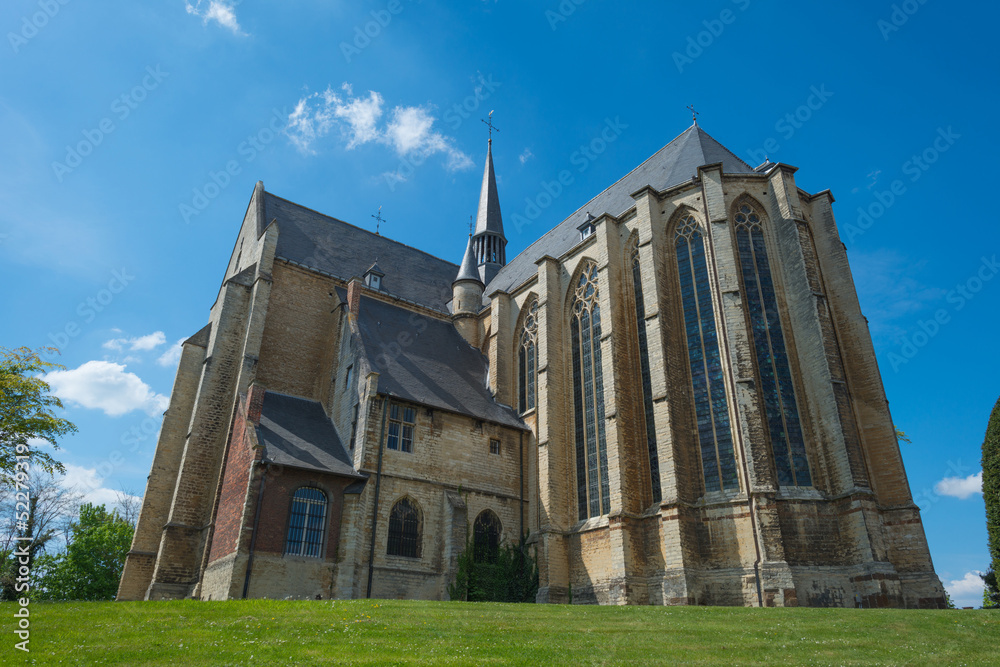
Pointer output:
x,y
744,162
360,229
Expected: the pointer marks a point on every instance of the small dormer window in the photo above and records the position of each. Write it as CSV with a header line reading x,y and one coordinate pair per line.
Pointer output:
x,y
373,276
587,228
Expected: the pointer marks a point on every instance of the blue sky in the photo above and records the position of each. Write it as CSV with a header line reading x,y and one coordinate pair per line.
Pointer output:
x,y
131,135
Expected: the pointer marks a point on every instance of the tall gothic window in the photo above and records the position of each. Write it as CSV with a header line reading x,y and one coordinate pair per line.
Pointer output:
x,y
647,388
588,398
404,530
769,345
718,462
527,359
486,537
306,523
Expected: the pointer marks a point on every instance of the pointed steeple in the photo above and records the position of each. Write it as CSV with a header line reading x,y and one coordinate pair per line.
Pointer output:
x,y
468,269
489,240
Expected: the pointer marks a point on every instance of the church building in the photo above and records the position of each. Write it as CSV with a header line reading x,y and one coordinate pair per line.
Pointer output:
x,y
671,396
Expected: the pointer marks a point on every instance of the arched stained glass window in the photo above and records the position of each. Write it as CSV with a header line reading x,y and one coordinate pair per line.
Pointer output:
x,y
715,438
588,398
647,388
486,533
769,346
527,358
306,523
404,530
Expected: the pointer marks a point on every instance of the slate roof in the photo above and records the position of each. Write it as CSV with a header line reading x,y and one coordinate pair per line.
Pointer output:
x,y
488,218
345,251
672,165
296,432
437,368
468,270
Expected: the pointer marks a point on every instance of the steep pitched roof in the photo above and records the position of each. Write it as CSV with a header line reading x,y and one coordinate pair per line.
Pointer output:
x,y
468,269
297,433
672,165
438,368
320,242
489,218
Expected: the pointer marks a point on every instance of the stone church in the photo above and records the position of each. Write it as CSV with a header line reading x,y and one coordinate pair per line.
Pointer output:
x,y
671,395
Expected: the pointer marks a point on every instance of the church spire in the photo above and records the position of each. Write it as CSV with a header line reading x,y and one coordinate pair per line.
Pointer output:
x,y
489,240
468,269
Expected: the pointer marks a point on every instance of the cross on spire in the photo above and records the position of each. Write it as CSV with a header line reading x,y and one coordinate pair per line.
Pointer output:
x,y
378,220
694,114
489,124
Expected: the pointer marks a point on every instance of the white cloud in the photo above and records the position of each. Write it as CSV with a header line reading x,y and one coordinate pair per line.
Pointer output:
x,y
172,356
960,487
141,343
90,483
106,386
222,12
409,131
526,155
967,591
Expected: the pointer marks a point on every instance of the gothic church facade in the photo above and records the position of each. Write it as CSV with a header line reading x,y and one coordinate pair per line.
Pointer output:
x,y
672,395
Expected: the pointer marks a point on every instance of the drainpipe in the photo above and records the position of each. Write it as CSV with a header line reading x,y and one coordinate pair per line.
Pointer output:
x,y
378,483
253,535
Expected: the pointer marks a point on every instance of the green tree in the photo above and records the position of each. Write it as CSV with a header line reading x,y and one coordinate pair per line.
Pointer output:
x,y
27,412
509,575
991,496
91,565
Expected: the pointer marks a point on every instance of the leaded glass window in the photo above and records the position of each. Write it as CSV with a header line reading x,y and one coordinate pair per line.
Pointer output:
x,y
306,523
401,422
527,359
486,537
588,398
769,347
647,388
404,530
718,460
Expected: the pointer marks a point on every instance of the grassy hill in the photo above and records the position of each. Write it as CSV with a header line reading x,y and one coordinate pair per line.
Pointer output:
x,y
385,632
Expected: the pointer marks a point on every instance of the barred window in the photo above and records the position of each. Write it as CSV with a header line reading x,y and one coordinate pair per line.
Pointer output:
x,y
647,385
486,533
527,359
593,498
404,530
718,461
776,388
307,523
401,423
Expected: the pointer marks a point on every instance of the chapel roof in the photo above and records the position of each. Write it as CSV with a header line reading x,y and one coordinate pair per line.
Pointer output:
x,y
672,165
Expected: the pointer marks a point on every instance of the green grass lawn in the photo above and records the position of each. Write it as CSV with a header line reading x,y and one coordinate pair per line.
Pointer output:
x,y
383,632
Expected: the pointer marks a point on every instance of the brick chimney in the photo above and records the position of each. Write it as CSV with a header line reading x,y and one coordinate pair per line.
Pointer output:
x,y
255,402
354,296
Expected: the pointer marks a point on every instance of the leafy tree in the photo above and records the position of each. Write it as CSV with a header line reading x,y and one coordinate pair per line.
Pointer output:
x,y
991,598
509,575
27,411
51,508
91,566
991,495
